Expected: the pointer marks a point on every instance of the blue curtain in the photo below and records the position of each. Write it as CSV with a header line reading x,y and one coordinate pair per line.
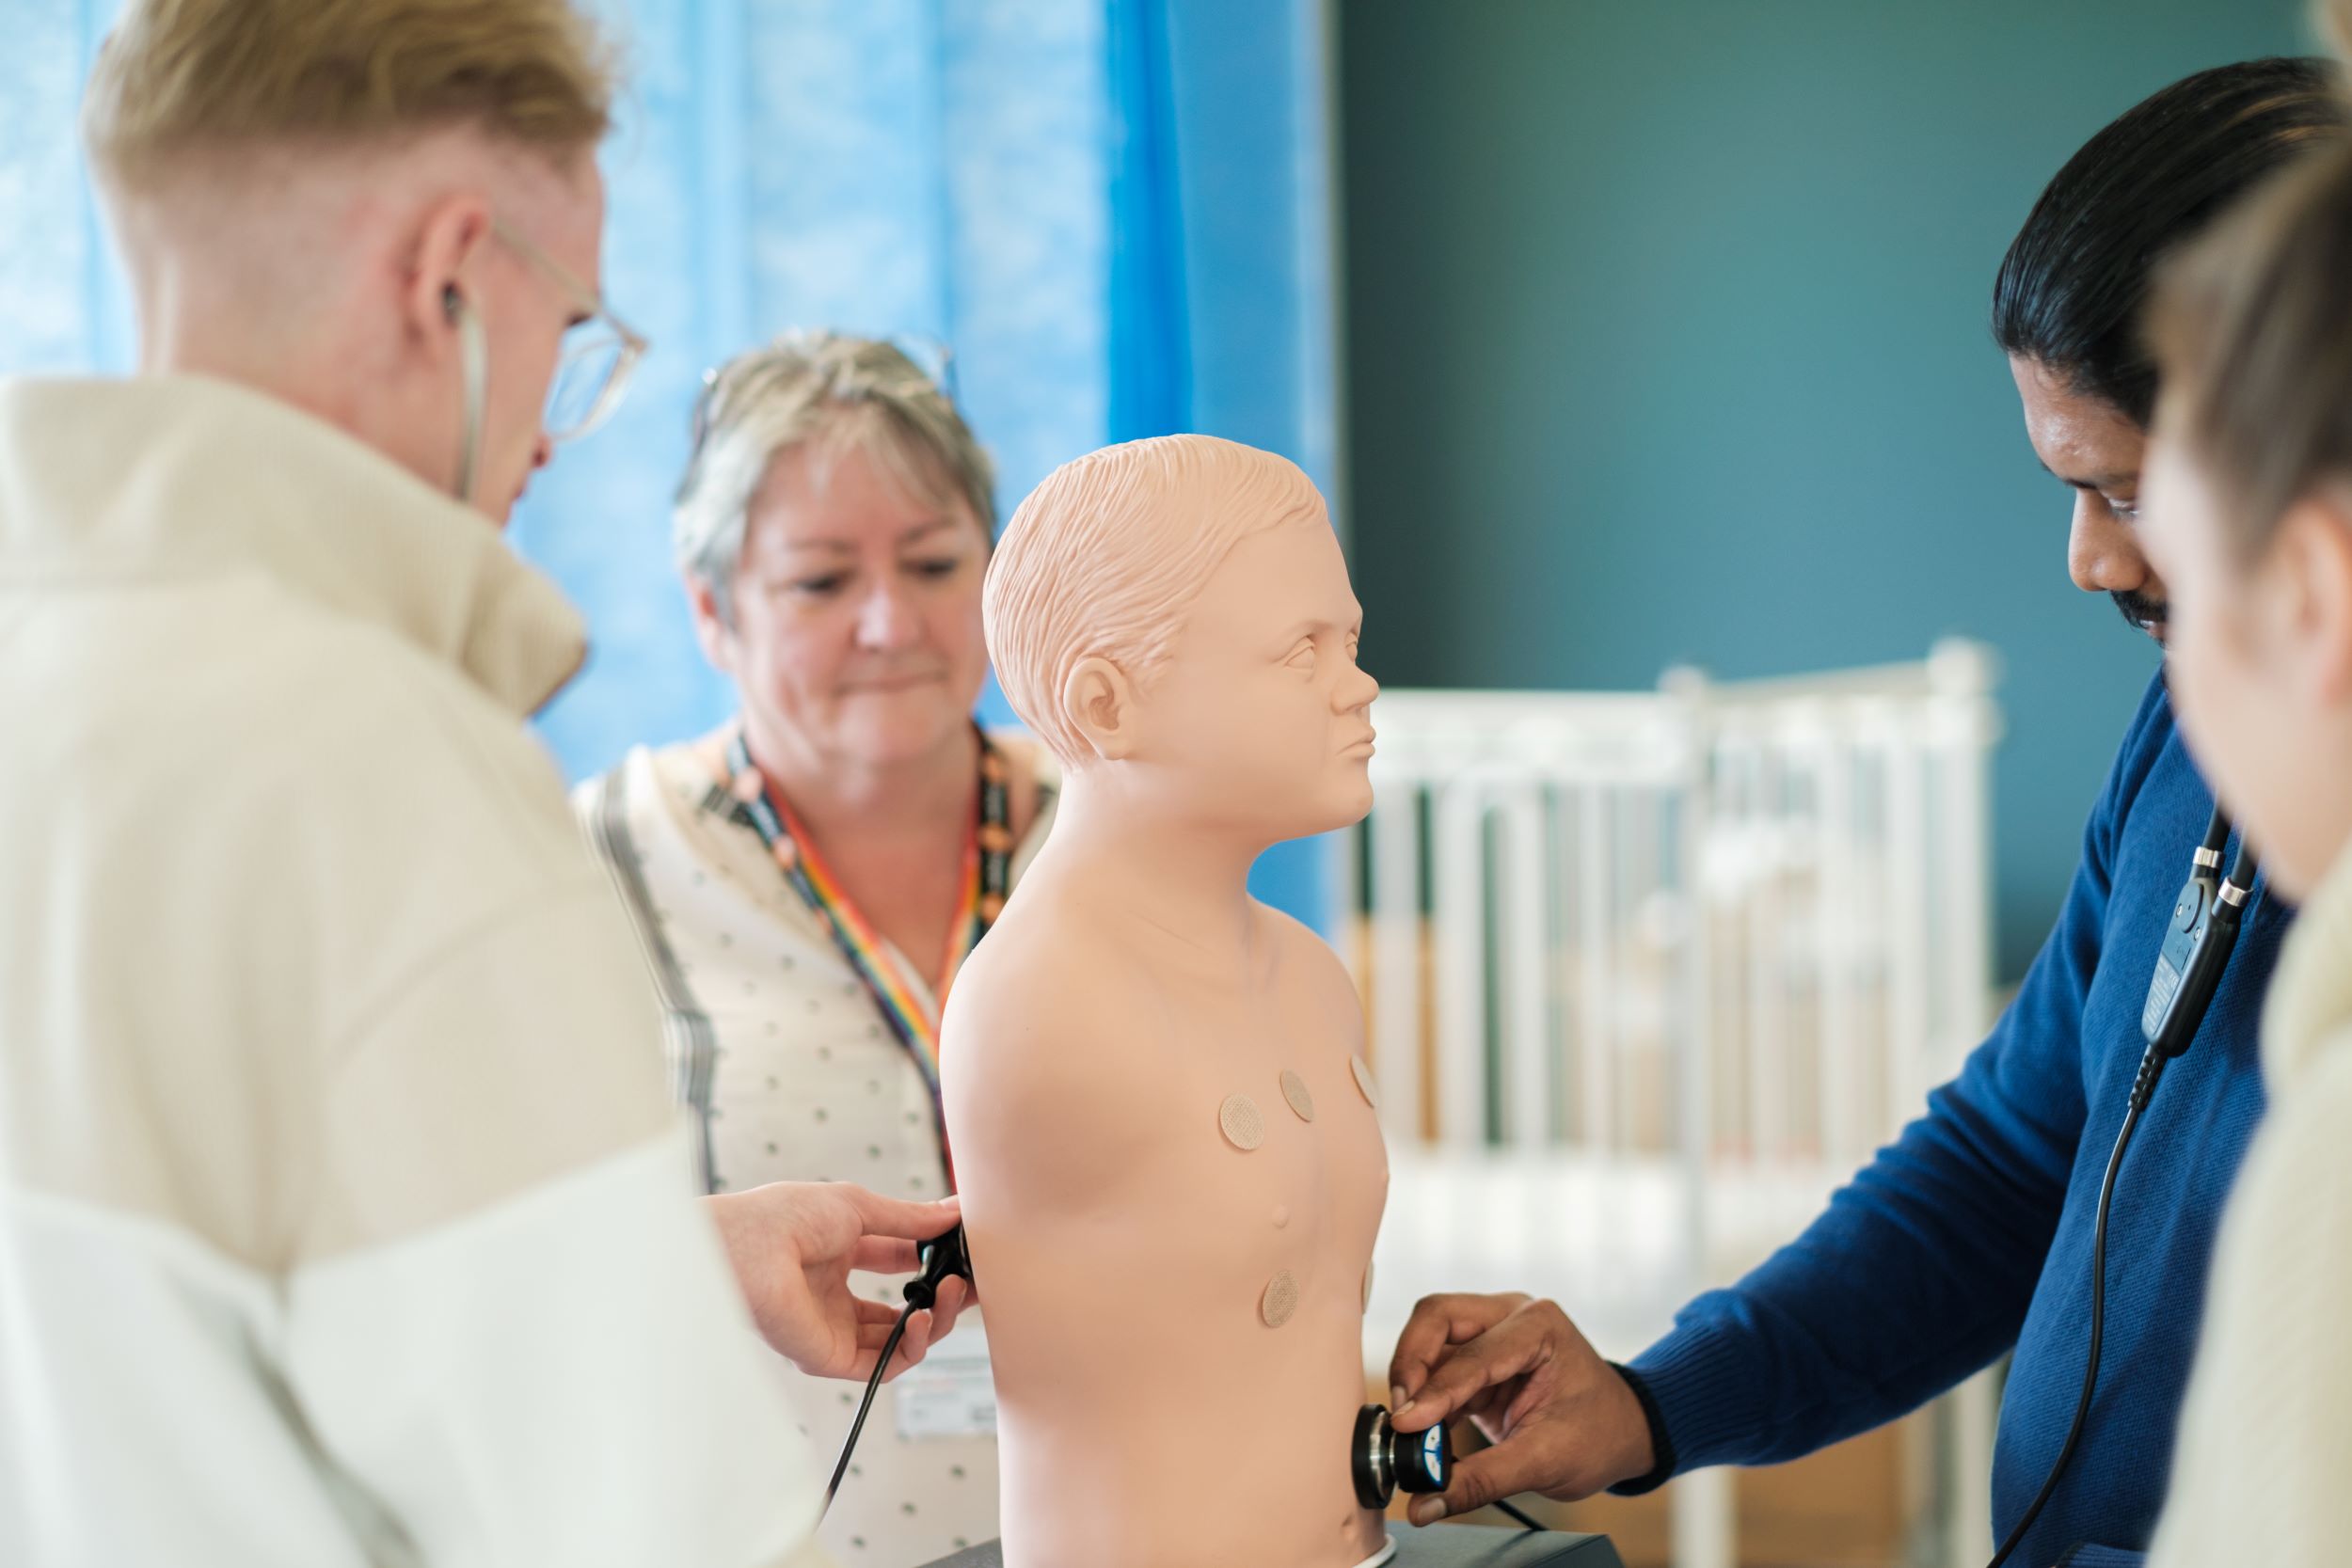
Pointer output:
x,y
1220,265
1113,213
63,307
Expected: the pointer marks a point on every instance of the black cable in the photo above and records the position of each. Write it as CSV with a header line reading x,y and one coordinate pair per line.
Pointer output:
x,y
1504,1504
873,1387
2217,836
941,1258
2144,1089
2248,865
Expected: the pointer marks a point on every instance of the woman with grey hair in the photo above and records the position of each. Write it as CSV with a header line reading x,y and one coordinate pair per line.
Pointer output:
x,y
807,878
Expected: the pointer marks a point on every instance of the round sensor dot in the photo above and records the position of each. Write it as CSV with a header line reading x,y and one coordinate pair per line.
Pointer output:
x,y
1295,1091
1242,1122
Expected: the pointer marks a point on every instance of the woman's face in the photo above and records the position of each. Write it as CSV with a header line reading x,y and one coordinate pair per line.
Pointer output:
x,y
2260,663
2096,450
857,635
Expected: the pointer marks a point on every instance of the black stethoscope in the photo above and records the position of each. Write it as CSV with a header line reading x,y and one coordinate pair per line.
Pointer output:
x,y
1383,1459
2198,942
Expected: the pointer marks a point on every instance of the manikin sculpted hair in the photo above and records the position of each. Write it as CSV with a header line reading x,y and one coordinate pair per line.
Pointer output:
x,y
1106,557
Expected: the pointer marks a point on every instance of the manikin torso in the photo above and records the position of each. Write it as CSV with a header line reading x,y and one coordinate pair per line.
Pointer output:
x,y
1171,1170
1173,1256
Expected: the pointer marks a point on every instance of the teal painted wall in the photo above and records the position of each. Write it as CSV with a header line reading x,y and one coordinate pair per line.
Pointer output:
x,y
1666,337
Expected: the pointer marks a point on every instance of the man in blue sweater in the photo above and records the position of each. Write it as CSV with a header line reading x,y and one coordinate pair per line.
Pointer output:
x,y
1972,1233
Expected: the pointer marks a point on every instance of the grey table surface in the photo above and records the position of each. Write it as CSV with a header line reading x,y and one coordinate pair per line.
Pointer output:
x,y
1438,1546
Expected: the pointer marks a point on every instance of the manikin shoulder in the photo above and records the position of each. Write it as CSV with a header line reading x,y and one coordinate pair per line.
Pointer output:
x,y
1056,998
1037,1001
1307,961
1053,1075
1313,976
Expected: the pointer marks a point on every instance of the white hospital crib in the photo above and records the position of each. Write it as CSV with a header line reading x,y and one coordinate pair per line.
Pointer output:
x,y
1648,975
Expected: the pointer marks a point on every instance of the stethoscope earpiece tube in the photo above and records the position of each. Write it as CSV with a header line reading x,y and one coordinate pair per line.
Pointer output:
x,y
2198,942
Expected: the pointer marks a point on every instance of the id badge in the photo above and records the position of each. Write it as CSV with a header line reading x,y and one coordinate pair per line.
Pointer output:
x,y
952,1394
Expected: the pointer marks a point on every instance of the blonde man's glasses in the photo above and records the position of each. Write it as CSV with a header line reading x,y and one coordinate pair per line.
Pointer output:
x,y
599,351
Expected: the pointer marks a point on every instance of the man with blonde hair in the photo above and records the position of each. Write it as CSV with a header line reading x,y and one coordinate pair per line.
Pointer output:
x,y
342,1217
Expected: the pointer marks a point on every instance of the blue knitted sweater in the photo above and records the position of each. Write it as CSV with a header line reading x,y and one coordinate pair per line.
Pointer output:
x,y
1970,1234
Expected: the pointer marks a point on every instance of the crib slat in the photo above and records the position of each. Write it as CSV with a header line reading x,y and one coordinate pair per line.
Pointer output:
x,y
1459,913
1525,1056
1396,1039
1596,1062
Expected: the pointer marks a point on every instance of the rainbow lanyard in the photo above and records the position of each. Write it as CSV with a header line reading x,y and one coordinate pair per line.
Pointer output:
x,y
987,879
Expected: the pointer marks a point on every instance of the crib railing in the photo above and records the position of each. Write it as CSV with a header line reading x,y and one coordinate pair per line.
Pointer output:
x,y
1693,954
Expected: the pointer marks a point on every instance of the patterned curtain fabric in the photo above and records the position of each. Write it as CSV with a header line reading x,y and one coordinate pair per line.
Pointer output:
x,y
1112,214
63,310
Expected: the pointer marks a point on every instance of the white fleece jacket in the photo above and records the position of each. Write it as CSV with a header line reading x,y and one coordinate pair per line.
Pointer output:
x,y
344,1218
2262,1471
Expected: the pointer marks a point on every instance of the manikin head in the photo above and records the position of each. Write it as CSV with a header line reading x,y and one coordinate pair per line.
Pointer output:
x,y
328,202
2250,512
1173,618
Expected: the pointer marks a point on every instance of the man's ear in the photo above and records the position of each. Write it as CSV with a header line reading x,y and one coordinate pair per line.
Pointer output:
x,y
446,256
710,628
1101,704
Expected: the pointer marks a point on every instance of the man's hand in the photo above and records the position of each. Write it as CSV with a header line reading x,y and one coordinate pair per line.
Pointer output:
x,y
793,1244
1562,1422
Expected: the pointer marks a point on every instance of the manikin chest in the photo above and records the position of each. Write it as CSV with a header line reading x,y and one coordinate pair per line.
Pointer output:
x,y
1266,1158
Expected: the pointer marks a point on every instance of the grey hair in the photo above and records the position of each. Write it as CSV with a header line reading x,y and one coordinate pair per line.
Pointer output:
x,y
828,391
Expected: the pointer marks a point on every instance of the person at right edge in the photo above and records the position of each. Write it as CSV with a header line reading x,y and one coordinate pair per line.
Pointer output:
x,y
1971,1235
2250,513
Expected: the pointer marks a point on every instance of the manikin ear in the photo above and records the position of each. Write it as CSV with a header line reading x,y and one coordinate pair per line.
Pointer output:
x,y
1101,704
451,239
716,637
2305,582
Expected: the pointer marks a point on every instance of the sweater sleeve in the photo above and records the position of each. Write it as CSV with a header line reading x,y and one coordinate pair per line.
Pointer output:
x,y
2266,1440
1921,1269
512,1330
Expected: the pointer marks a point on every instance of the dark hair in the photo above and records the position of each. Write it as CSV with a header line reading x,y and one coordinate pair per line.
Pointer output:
x,y
2075,280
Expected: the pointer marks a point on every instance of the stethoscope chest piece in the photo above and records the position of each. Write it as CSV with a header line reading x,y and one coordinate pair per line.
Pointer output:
x,y
1388,1462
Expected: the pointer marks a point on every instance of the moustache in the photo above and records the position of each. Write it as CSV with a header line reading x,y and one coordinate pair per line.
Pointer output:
x,y
2143,613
